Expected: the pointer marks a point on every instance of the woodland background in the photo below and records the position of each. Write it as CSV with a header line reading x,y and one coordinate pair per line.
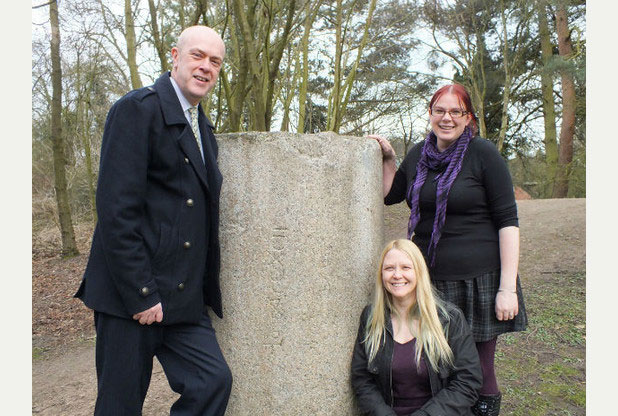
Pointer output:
x,y
350,66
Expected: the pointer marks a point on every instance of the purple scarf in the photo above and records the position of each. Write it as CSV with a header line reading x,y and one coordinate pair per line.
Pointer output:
x,y
432,159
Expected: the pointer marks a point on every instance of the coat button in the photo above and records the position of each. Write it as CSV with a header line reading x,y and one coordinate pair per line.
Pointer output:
x,y
187,244
181,286
145,291
189,202
187,160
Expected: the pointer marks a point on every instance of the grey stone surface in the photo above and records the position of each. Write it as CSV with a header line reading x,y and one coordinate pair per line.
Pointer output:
x,y
301,231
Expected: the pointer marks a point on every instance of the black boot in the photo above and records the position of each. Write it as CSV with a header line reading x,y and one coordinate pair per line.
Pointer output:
x,y
487,405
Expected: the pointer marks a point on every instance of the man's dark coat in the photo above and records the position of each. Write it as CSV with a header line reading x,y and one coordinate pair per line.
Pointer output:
x,y
157,236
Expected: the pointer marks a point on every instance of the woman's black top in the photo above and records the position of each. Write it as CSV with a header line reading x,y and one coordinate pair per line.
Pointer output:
x,y
481,202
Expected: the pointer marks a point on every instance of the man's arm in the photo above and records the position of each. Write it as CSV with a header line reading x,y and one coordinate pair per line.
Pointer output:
x,y
121,196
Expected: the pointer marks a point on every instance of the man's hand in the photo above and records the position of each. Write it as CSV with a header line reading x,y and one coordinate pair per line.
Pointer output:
x,y
154,314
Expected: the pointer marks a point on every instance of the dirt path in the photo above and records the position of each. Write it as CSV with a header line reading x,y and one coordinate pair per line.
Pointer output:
x,y
552,240
64,383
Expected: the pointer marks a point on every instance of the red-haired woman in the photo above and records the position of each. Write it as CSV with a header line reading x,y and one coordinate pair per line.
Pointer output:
x,y
464,219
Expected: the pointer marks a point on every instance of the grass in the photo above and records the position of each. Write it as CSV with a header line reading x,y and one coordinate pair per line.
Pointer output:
x,y
564,321
38,352
542,371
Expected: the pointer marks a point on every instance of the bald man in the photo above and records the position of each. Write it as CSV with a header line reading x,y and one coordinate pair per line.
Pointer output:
x,y
153,269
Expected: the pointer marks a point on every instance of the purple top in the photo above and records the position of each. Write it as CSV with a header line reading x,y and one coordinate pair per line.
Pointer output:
x,y
411,388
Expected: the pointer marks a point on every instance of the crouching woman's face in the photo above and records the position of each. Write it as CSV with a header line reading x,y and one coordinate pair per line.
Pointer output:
x,y
398,276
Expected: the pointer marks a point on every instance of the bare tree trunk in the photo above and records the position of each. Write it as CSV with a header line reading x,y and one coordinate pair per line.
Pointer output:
x,y
88,152
200,11
255,68
480,83
181,14
507,81
89,171
406,136
287,101
275,62
84,125
136,82
158,43
335,96
349,82
69,247
567,130
304,81
549,110
235,93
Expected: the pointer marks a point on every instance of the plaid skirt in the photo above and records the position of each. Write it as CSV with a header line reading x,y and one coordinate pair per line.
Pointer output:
x,y
476,298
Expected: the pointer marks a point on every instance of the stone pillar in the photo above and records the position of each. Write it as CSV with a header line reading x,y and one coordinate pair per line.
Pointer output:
x,y
301,231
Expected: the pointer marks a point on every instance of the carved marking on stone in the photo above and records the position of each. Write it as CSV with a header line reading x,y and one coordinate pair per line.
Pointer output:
x,y
276,253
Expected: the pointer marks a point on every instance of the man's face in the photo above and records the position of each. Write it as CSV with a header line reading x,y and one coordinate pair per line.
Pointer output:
x,y
197,62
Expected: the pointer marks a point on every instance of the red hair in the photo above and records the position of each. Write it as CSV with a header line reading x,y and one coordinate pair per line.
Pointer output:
x,y
464,99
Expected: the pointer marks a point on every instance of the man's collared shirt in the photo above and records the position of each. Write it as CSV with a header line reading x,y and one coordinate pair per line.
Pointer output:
x,y
186,105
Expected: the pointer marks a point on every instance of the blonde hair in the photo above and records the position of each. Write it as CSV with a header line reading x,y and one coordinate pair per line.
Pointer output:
x,y
430,336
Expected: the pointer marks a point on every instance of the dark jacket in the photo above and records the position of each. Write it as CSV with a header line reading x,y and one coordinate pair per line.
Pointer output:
x,y
157,236
454,390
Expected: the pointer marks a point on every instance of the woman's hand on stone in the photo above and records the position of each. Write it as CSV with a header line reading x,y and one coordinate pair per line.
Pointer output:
x,y
388,153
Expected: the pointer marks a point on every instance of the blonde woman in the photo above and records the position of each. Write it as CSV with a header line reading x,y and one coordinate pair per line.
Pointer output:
x,y
414,354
